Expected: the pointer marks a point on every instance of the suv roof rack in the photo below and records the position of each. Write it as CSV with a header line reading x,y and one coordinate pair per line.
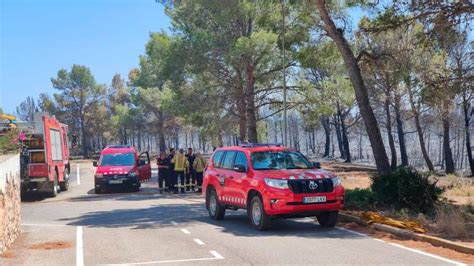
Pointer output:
x,y
118,146
252,145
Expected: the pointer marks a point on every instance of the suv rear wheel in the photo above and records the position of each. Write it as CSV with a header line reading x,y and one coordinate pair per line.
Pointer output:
x,y
216,211
328,219
259,219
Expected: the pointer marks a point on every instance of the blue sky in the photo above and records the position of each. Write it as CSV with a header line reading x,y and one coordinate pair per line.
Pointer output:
x,y
37,38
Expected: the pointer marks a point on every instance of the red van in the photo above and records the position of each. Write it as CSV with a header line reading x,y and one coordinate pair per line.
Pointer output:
x,y
270,181
121,166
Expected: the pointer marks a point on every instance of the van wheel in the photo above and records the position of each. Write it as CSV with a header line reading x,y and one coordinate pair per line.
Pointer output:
x,y
64,185
54,186
328,219
97,190
259,219
216,211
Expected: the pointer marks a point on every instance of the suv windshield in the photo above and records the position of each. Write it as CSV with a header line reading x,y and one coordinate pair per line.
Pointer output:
x,y
125,159
275,160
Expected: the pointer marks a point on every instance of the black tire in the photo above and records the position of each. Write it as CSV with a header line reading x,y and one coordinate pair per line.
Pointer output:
x,y
64,185
135,188
258,217
328,219
97,190
53,190
214,208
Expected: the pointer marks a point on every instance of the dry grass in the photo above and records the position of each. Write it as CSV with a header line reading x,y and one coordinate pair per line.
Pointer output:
x,y
450,222
51,245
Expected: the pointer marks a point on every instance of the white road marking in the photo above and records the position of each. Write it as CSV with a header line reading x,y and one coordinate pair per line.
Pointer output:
x,y
216,255
185,231
79,247
174,223
428,254
78,175
199,242
354,232
403,247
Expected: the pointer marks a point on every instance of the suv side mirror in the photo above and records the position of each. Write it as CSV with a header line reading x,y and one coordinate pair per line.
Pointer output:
x,y
141,162
94,163
240,168
317,165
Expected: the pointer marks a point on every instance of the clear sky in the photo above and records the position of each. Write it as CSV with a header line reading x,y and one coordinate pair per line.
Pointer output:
x,y
37,38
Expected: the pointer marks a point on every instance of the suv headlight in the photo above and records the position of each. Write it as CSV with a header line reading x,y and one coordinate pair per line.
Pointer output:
x,y
133,174
99,175
336,181
277,183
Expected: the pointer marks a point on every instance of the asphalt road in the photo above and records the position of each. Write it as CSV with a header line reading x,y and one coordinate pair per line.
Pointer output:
x,y
147,228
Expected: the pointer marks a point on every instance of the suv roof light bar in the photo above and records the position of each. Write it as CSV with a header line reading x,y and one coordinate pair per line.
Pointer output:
x,y
252,145
118,146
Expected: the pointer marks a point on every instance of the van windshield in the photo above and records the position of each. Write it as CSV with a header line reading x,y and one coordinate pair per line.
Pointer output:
x,y
276,160
123,159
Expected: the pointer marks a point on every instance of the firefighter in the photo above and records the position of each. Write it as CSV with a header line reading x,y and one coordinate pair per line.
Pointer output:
x,y
190,178
163,164
198,166
180,166
171,180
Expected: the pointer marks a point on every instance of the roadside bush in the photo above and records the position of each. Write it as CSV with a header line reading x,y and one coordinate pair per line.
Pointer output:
x,y
359,199
9,142
450,222
406,188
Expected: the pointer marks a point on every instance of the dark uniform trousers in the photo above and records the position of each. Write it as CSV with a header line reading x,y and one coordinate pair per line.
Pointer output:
x,y
181,176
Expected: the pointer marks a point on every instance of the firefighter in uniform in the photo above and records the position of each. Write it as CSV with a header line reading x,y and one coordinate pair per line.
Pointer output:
x,y
163,164
198,166
190,176
171,179
180,166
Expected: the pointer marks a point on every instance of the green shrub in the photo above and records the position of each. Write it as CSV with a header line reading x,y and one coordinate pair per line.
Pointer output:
x,y
406,188
9,142
359,199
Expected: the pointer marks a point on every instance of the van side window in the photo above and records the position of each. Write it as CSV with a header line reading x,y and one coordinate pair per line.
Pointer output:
x,y
241,159
217,158
229,160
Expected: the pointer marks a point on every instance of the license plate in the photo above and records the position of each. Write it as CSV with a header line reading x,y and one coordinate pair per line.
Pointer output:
x,y
115,181
314,199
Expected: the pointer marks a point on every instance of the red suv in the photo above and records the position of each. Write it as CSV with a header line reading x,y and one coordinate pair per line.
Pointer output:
x,y
270,181
121,166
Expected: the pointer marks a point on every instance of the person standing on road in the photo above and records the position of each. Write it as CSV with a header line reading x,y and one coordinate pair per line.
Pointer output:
x,y
180,166
199,165
163,164
190,177
171,175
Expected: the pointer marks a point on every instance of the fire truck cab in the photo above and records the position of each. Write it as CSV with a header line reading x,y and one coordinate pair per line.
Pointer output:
x,y
45,157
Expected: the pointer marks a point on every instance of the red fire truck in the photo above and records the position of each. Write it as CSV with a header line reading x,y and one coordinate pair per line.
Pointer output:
x,y
45,157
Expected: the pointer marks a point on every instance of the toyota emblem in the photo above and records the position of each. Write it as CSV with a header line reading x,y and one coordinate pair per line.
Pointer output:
x,y
313,185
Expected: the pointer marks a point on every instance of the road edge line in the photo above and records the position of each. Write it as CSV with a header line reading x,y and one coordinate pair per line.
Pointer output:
x,y
428,254
79,247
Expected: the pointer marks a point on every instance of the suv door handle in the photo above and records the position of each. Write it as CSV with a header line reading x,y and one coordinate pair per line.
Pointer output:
x,y
231,177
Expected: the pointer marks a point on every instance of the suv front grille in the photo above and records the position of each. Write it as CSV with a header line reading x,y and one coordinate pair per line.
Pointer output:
x,y
302,186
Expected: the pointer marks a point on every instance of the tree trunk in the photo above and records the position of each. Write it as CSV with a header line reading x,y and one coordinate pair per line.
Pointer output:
x,y
327,133
419,130
448,155
83,139
337,126
467,132
345,141
251,110
388,127
362,97
161,132
400,132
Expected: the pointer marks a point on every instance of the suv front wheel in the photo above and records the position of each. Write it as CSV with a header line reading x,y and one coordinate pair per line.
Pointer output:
x,y
328,219
216,211
259,219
